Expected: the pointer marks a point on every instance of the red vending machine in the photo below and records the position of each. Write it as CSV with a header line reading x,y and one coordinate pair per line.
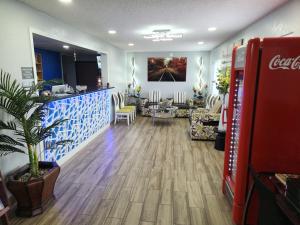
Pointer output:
x,y
263,127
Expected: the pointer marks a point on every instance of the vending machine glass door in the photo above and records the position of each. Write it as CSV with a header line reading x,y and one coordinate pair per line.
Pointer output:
x,y
235,130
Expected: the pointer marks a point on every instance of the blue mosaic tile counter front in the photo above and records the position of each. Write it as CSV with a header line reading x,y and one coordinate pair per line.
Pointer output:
x,y
87,114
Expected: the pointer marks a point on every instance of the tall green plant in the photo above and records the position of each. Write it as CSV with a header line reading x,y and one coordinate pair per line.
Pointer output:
x,y
223,80
24,131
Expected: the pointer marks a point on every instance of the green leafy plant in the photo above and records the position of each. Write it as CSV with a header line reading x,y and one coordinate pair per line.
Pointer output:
x,y
24,131
138,89
223,80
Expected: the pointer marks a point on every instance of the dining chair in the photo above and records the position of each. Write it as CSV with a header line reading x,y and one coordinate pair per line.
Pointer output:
x,y
132,108
121,114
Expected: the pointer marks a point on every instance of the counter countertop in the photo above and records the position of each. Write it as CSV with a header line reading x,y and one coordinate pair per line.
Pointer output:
x,y
55,98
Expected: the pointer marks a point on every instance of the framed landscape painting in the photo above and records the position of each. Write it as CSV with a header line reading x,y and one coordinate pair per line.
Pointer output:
x,y
167,69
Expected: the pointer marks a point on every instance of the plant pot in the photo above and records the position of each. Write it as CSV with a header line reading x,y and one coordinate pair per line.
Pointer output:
x,y
220,141
33,196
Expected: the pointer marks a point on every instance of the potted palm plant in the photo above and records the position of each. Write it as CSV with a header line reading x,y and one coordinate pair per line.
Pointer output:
x,y
223,80
223,83
33,184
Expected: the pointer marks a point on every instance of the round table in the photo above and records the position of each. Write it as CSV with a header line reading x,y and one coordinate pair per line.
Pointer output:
x,y
160,112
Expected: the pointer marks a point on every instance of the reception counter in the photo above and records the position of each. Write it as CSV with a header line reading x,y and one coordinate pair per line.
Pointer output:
x,y
87,115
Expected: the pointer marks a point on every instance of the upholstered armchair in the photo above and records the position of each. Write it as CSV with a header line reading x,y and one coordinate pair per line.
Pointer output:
x,y
145,111
204,122
180,101
154,98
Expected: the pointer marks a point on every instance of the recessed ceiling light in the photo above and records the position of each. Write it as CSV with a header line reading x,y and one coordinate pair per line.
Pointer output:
x,y
163,35
200,42
212,29
112,32
66,46
65,1
130,44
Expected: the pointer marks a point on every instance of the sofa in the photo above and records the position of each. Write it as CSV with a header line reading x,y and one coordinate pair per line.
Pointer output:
x,y
181,112
179,100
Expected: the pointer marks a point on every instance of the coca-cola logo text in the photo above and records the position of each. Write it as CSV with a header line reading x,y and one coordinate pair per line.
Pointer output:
x,y
279,62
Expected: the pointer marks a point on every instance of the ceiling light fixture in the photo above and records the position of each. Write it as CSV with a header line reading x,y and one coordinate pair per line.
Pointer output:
x,y
200,42
65,1
112,32
66,46
131,44
212,29
163,35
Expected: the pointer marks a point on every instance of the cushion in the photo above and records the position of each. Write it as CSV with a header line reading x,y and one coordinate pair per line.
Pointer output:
x,y
124,110
129,107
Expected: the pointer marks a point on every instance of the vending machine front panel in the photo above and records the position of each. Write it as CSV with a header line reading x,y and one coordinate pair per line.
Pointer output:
x,y
276,132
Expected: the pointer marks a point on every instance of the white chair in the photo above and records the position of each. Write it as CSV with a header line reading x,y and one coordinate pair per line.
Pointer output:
x,y
132,108
208,101
121,114
179,97
154,96
216,105
213,100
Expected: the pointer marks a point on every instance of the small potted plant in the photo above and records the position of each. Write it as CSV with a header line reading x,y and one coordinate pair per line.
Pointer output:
x,y
223,82
138,90
195,91
32,185
129,88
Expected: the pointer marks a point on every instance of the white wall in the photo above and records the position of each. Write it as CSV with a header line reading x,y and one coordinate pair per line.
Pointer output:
x,y
280,22
167,88
16,50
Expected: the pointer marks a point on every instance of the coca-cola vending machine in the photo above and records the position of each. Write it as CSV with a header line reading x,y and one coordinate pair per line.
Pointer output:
x,y
263,128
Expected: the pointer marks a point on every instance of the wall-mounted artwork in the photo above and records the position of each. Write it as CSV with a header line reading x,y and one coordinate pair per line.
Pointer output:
x,y
167,69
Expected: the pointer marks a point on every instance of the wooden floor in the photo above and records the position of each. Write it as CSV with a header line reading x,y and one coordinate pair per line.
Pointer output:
x,y
140,175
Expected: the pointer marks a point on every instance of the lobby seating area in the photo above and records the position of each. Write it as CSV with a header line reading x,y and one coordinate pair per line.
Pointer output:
x,y
204,121
179,100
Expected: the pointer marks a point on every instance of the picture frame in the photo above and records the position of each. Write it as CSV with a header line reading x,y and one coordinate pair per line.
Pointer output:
x,y
167,69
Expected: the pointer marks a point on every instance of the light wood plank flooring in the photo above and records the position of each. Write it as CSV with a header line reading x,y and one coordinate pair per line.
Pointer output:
x,y
140,175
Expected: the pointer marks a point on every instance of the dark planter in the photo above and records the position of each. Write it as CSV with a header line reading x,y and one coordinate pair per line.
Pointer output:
x,y
33,196
220,141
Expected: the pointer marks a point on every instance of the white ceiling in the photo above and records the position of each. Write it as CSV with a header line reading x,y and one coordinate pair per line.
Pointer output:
x,y
133,18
